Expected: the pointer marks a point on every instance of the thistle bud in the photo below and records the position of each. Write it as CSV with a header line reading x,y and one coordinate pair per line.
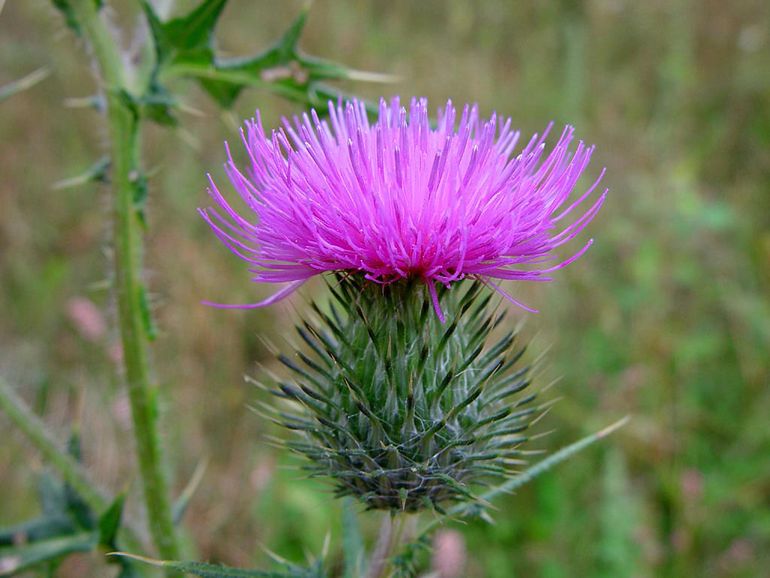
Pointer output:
x,y
398,409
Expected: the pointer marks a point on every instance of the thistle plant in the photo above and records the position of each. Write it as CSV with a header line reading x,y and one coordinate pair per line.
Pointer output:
x,y
403,400
409,391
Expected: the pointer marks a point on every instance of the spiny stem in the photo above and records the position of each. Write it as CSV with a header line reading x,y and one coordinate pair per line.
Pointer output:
x,y
123,122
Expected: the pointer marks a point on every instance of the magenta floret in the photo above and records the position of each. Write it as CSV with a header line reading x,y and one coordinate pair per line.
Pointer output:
x,y
398,198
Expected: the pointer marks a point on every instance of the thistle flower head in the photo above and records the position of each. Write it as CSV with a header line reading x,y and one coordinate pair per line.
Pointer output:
x,y
401,199
399,410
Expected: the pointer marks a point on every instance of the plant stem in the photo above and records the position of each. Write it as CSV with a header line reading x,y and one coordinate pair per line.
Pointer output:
x,y
123,121
381,548
399,523
388,544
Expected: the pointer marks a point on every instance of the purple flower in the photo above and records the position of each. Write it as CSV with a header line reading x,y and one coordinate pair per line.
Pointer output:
x,y
399,198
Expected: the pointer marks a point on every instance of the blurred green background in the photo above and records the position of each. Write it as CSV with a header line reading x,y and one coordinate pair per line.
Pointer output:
x,y
667,318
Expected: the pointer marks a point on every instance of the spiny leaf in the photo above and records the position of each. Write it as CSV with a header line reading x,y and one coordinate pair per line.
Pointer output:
x,y
158,103
272,65
216,571
63,513
109,526
186,38
70,18
37,529
76,506
15,559
195,30
287,45
221,88
109,523
282,69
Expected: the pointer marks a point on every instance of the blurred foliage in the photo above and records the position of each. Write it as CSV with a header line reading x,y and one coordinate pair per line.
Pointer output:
x,y
66,525
667,317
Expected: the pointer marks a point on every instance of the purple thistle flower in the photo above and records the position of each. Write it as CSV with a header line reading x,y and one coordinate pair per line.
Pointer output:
x,y
398,198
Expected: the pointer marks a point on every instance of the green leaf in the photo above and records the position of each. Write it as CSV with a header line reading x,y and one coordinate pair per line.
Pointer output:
x,y
65,7
223,92
203,570
109,523
184,47
186,38
157,105
69,14
56,519
281,68
76,506
129,102
15,559
352,542
195,30
290,39
36,529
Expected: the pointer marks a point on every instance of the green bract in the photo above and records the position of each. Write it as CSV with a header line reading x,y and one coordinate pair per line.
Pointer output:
x,y
403,412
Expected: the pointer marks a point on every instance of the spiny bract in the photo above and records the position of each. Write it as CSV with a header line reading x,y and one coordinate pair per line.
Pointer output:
x,y
402,411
